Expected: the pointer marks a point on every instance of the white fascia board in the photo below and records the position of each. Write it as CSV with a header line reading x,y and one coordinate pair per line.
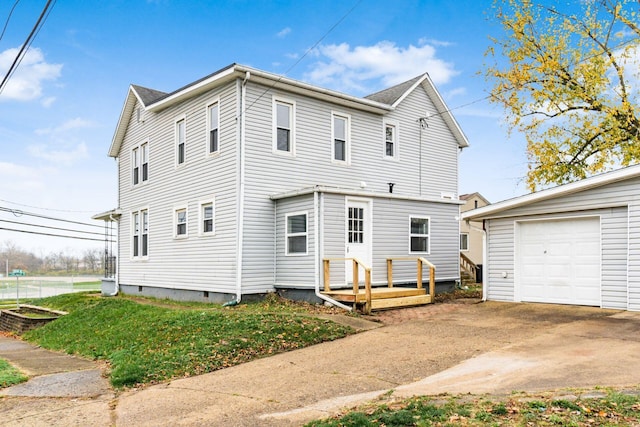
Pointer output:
x,y
123,120
444,110
495,209
359,193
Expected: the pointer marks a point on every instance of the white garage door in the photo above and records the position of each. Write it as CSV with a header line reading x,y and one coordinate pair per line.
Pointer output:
x,y
559,261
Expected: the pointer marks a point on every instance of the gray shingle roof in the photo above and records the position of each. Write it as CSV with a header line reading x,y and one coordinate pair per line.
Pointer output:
x,y
390,95
148,96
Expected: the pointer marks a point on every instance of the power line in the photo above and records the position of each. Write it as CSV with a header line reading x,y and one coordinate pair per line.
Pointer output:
x,y
8,19
56,235
25,46
50,227
45,209
17,212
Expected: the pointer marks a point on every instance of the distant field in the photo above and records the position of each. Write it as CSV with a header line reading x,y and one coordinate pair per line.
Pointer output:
x,y
12,288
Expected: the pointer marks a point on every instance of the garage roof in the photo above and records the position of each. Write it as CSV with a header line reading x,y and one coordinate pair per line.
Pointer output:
x,y
494,210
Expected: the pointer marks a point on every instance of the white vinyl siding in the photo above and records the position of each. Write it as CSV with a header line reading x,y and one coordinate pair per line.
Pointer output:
x,y
341,138
213,127
283,126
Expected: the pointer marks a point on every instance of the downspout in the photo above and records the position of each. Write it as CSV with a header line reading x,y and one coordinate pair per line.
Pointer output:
x,y
485,267
240,217
318,212
117,282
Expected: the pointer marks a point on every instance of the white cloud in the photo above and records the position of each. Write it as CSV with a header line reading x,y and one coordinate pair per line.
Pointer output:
x,y
283,33
77,123
26,82
60,157
435,42
17,179
456,92
349,69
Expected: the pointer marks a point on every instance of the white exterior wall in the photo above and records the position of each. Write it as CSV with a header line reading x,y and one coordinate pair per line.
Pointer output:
x,y
199,263
617,205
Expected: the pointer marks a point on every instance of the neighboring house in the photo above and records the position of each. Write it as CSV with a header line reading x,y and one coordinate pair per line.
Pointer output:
x,y
471,231
244,181
578,243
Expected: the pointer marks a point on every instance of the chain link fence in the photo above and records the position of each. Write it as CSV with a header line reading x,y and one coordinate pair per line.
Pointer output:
x,y
18,288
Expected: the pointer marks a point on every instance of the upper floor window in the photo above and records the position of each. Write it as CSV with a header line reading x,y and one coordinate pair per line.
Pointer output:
x,y
181,133
340,146
213,127
144,148
206,217
140,163
296,233
419,234
145,233
135,164
181,222
390,140
283,132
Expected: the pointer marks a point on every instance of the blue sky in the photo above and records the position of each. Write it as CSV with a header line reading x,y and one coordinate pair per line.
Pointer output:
x,y
59,111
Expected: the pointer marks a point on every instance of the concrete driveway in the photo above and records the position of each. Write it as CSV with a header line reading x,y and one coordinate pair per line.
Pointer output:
x,y
451,347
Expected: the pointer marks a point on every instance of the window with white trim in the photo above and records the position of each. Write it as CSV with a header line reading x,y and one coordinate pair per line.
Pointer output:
x,y
283,126
144,148
207,224
213,128
181,134
180,217
140,233
419,234
135,164
464,241
296,233
340,144
390,140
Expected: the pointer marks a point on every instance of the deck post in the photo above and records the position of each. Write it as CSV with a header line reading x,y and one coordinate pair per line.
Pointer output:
x,y
356,285
432,282
390,272
327,286
419,278
367,290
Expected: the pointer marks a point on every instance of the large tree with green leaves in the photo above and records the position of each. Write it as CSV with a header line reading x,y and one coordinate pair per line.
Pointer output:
x,y
568,76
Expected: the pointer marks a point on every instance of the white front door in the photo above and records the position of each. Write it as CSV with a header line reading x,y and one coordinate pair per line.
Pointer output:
x,y
358,238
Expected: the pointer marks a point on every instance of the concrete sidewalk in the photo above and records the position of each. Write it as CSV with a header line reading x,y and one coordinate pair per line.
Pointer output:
x,y
451,347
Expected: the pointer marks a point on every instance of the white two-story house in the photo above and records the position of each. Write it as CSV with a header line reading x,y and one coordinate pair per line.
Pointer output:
x,y
242,182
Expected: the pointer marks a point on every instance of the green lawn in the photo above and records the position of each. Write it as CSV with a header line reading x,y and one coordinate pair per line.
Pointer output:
x,y
613,409
10,375
147,343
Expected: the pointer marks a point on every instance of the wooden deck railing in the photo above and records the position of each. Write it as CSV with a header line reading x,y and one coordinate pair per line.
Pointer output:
x,y
420,262
468,266
356,279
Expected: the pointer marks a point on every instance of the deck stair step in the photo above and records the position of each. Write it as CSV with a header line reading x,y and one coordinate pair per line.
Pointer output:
x,y
380,304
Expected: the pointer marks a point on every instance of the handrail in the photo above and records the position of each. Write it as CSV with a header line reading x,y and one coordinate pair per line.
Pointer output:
x,y
356,280
419,263
467,265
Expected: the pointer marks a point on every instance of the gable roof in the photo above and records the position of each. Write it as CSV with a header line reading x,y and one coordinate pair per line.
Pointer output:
x,y
380,102
396,94
466,197
495,210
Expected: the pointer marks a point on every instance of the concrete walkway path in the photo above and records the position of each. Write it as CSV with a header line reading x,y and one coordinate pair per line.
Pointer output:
x,y
451,347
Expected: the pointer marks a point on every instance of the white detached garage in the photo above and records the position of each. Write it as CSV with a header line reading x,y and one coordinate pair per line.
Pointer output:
x,y
574,244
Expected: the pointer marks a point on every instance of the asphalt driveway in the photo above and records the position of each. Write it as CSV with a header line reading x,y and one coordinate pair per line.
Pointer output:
x,y
452,347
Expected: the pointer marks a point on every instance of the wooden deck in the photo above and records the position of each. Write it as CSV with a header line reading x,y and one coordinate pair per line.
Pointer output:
x,y
382,298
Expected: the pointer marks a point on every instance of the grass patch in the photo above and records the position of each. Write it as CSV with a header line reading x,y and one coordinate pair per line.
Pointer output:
x,y
147,343
614,409
10,375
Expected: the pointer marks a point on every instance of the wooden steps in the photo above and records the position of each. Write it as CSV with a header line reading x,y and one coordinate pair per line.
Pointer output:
x,y
383,298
